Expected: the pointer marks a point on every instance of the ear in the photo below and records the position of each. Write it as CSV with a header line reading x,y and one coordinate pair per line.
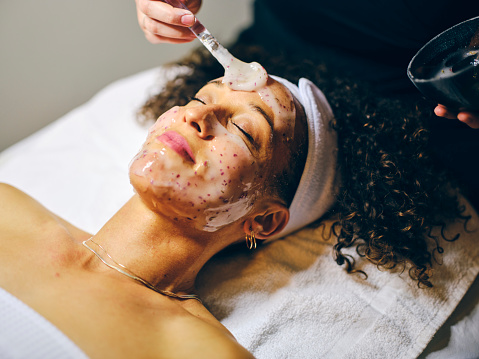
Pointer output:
x,y
268,223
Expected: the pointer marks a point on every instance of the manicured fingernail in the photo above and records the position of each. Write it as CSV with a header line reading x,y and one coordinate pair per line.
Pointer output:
x,y
188,19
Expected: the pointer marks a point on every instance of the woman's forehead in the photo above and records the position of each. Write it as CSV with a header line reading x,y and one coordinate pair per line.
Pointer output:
x,y
279,90
275,99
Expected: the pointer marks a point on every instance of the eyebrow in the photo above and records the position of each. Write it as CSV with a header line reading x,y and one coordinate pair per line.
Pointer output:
x,y
262,113
254,107
218,83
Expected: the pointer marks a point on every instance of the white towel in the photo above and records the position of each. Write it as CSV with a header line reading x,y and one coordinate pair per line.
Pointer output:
x,y
289,299
26,334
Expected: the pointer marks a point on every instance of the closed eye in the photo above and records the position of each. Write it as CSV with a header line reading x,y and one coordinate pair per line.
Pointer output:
x,y
197,99
248,136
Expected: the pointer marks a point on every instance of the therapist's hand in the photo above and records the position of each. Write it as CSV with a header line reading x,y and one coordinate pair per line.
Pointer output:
x,y
163,23
469,118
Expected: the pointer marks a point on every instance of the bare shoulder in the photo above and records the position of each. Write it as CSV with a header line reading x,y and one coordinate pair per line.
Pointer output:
x,y
206,342
9,192
21,214
209,338
227,350
17,208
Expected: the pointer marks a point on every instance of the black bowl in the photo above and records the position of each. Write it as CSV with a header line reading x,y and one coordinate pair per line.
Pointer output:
x,y
446,69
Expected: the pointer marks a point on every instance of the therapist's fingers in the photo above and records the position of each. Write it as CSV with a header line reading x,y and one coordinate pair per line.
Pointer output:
x,y
469,118
163,23
160,32
443,111
165,13
158,39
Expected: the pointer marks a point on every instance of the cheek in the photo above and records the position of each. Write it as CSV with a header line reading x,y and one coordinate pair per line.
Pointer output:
x,y
164,122
230,158
234,184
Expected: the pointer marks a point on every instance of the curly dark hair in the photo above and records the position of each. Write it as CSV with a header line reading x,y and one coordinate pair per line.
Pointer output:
x,y
392,193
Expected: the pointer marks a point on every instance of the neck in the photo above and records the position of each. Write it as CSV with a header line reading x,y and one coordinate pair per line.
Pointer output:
x,y
156,248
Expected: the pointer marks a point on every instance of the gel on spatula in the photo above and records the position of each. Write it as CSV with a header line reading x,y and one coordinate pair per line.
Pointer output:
x,y
238,74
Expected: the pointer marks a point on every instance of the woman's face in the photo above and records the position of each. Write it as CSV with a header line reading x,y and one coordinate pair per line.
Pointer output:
x,y
209,162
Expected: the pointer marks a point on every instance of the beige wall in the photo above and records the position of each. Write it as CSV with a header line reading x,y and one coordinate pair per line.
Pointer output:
x,y
56,54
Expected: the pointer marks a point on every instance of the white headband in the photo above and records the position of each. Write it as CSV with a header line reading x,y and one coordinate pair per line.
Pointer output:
x,y
317,189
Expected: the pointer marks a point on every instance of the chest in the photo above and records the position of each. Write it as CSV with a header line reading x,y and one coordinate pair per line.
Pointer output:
x,y
104,314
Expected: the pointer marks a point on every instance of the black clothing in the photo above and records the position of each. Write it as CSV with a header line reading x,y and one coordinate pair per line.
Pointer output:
x,y
373,40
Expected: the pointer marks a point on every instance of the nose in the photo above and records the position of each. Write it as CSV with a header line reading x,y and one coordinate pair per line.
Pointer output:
x,y
203,119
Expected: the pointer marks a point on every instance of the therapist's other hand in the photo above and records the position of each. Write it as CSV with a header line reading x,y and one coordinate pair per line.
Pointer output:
x,y
469,118
162,23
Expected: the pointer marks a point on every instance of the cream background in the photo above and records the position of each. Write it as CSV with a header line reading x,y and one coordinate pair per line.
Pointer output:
x,y
56,54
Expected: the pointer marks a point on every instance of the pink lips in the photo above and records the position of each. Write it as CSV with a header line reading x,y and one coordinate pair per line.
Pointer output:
x,y
178,144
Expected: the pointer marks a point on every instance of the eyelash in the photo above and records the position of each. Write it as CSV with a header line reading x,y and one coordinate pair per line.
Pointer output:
x,y
197,99
250,138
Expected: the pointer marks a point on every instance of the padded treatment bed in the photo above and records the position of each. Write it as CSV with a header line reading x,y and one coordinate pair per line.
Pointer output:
x,y
287,299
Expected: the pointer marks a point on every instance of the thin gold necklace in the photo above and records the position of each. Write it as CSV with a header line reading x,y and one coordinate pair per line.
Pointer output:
x,y
127,272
